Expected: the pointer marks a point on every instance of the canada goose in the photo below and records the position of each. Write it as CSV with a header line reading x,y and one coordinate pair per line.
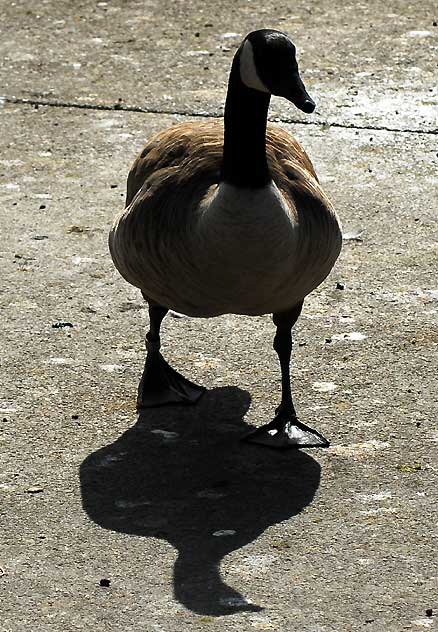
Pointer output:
x,y
229,218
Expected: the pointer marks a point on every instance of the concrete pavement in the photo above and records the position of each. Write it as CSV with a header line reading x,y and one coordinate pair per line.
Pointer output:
x,y
318,541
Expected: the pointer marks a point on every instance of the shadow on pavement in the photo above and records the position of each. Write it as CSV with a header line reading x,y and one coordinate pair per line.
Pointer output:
x,y
185,488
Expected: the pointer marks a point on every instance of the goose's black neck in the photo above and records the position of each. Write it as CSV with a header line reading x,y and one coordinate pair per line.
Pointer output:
x,y
244,161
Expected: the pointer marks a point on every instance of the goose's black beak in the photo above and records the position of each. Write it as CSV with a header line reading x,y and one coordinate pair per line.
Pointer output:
x,y
307,106
298,95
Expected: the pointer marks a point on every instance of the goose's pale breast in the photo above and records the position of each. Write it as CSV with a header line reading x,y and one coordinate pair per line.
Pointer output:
x,y
238,251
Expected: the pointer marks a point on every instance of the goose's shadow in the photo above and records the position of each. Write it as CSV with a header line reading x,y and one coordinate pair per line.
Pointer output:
x,y
187,488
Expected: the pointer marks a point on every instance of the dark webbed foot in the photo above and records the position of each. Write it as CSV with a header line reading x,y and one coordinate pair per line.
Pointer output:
x,y
161,385
285,431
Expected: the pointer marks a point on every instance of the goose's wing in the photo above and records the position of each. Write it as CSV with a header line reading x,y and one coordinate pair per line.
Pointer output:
x,y
151,241
295,177
182,154
294,174
286,154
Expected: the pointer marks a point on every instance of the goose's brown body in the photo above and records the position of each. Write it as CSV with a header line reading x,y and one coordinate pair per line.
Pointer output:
x,y
203,247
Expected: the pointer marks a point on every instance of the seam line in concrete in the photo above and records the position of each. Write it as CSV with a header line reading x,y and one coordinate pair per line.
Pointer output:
x,y
117,107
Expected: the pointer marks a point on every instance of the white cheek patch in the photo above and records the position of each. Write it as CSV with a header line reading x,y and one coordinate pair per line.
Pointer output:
x,y
248,72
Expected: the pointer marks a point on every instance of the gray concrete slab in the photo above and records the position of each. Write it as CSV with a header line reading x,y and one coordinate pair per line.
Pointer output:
x,y
367,64
341,539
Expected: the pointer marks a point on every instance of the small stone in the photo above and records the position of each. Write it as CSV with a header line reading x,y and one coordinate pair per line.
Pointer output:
x,y
409,467
324,387
35,489
113,186
340,286
280,544
42,207
234,602
75,229
75,416
61,324
352,236
105,583
166,434
353,336
429,612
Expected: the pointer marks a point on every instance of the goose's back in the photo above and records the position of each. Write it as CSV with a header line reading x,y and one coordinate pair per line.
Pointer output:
x,y
187,248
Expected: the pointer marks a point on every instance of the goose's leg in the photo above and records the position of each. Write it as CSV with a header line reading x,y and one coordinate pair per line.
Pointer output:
x,y
285,431
161,385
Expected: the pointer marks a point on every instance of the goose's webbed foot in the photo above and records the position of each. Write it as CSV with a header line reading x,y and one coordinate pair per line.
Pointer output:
x,y
285,431
161,385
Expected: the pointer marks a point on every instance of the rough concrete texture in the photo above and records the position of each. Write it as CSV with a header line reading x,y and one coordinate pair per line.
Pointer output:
x,y
342,539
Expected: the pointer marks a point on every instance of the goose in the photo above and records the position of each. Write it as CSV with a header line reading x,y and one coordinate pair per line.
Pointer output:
x,y
229,218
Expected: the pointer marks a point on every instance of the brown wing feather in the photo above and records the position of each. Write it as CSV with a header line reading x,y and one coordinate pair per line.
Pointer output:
x,y
186,151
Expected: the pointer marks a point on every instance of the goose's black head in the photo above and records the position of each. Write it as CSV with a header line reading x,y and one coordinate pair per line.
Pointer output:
x,y
268,63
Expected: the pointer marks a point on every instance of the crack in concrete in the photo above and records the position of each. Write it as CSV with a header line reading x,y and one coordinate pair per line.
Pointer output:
x,y
119,107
